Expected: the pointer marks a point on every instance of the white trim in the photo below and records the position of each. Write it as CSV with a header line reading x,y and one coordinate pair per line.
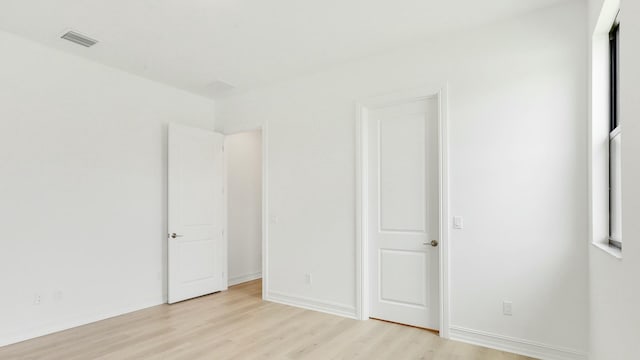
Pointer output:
x,y
362,267
265,210
515,345
445,226
225,230
611,250
327,307
84,320
244,278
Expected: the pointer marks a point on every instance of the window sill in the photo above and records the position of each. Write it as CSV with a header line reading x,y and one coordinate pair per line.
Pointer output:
x,y
613,251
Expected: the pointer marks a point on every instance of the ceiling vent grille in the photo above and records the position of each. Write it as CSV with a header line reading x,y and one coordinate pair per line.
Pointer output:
x,y
79,39
218,87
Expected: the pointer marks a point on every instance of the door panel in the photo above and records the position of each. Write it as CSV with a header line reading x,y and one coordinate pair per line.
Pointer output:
x,y
197,255
396,265
402,173
403,212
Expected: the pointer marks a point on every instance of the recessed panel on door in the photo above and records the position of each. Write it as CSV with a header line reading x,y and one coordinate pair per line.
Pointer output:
x,y
196,255
402,172
197,198
394,265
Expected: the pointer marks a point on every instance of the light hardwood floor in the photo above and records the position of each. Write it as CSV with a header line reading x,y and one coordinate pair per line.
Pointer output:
x,y
237,324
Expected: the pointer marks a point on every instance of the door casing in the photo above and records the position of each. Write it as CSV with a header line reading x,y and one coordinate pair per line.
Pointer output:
x,y
362,191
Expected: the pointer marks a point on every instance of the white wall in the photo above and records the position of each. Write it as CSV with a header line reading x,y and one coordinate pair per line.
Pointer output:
x,y
244,210
83,188
517,105
614,285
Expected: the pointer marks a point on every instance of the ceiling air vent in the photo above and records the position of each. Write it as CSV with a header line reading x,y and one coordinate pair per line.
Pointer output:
x,y
79,39
218,87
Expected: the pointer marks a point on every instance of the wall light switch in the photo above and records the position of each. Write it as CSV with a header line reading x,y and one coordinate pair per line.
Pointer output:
x,y
273,219
507,308
457,222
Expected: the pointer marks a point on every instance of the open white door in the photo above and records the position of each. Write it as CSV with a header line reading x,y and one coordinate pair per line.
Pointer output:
x,y
404,212
197,253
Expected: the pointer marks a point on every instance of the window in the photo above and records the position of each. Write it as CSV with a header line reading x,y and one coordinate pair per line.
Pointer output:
x,y
615,142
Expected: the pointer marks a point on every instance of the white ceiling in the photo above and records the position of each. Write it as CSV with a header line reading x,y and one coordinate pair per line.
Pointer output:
x,y
190,44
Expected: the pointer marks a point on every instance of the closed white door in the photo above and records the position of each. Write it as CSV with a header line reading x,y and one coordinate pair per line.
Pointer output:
x,y
403,213
196,250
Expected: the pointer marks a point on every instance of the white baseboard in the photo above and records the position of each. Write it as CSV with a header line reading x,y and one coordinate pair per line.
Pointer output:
x,y
244,278
514,345
312,304
32,334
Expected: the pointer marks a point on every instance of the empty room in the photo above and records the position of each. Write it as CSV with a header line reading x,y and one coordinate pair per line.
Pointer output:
x,y
244,179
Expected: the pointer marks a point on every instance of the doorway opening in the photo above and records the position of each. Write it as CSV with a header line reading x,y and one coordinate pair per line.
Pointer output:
x,y
402,209
244,194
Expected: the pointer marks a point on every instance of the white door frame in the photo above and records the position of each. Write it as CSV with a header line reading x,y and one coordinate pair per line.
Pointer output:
x,y
362,248
265,203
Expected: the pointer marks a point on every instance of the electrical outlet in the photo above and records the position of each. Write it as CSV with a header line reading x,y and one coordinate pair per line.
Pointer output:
x,y
57,296
507,308
308,279
37,299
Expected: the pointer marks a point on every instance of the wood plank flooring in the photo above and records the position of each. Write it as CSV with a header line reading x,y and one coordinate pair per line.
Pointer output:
x,y
237,324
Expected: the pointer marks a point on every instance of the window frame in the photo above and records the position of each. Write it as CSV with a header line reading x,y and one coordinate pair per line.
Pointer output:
x,y
615,130
614,76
